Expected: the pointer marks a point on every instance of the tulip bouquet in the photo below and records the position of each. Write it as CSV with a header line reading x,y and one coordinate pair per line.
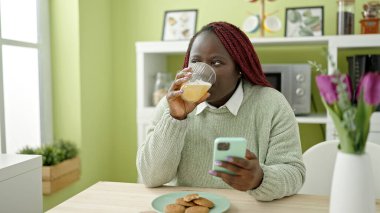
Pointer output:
x,y
350,112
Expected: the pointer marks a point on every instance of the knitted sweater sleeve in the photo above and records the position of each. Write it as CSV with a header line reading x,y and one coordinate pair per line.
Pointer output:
x,y
158,157
284,171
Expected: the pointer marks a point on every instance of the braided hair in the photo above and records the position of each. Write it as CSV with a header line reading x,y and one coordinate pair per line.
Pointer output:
x,y
240,49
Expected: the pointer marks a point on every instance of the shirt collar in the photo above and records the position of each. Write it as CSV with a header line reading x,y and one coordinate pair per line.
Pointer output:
x,y
233,104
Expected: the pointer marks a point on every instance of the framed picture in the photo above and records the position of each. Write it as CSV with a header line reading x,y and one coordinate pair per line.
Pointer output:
x,y
179,25
304,21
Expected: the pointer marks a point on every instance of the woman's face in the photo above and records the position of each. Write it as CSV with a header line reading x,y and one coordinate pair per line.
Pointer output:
x,y
209,49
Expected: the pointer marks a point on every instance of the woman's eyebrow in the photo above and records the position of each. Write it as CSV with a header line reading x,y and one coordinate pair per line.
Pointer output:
x,y
215,57
218,57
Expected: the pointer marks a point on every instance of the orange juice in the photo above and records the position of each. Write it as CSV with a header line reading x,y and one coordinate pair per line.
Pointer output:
x,y
193,91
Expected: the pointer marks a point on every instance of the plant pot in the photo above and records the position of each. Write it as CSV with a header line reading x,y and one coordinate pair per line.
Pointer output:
x,y
352,188
61,175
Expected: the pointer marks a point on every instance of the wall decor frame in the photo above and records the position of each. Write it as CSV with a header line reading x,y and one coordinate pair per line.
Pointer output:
x,y
304,21
179,24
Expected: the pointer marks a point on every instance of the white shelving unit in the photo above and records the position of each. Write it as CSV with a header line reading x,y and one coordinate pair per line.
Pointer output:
x,y
151,58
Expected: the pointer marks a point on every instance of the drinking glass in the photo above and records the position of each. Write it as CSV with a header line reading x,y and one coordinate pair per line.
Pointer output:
x,y
203,77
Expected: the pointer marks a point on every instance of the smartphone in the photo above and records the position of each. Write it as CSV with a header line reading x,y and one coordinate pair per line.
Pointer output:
x,y
228,146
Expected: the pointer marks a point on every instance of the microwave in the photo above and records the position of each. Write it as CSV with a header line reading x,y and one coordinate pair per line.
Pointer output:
x,y
294,82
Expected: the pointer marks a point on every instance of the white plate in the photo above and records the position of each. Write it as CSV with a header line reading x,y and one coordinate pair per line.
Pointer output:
x,y
272,24
221,203
251,24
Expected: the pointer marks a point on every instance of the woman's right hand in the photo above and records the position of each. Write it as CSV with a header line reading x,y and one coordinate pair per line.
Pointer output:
x,y
179,109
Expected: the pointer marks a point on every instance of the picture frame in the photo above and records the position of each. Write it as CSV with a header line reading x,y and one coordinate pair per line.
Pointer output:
x,y
179,25
304,21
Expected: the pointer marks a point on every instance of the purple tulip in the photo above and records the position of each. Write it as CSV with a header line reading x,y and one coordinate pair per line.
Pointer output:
x,y
370,85
328,90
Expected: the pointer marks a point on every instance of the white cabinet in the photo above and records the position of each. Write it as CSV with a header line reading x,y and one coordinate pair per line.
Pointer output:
x,y
20,183
152,58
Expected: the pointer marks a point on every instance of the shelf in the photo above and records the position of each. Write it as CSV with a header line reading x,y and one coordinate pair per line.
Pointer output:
x,y
291,41
354,41
323,119
342,41
312,119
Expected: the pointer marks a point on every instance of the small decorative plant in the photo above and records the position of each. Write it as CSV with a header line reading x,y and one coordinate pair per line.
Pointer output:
x,y
350,113
54,153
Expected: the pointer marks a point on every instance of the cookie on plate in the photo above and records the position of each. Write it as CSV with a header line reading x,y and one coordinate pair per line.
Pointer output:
x,y
182,202
190,197
204,202
197,209
174,208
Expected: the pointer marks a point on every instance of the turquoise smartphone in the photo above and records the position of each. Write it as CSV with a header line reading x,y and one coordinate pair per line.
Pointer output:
x,y
228,146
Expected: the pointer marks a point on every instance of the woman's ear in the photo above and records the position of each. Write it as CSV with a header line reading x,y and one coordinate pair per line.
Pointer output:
x,y
238,70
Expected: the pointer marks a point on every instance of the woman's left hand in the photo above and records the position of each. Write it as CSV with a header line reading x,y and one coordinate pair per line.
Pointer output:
x,y
248,173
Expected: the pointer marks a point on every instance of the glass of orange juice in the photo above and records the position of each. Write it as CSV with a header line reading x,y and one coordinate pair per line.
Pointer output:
x,y
202,79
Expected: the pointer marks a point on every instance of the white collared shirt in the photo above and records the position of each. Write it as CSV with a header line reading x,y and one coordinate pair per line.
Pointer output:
x,y
233,104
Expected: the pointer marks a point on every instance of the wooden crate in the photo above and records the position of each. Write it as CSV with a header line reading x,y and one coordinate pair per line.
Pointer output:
x,y
58,176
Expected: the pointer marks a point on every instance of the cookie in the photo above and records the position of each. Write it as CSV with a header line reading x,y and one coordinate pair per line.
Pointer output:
x,y
190,197
174,208
204,202
197,209
181,202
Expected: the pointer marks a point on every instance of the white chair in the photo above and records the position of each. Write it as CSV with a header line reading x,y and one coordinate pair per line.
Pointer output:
x,y
320,160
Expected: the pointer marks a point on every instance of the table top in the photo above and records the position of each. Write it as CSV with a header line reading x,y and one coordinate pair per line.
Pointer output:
x,y
131,197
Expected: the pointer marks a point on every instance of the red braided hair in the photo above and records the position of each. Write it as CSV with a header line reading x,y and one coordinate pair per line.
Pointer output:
x,y
240,49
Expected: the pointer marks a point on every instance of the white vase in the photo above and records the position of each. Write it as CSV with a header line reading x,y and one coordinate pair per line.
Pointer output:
x,y
352,188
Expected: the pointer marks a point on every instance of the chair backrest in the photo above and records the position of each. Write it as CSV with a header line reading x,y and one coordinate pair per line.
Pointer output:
x,y
320,160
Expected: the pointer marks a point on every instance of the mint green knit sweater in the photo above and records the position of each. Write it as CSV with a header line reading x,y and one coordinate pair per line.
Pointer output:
x,y
180,151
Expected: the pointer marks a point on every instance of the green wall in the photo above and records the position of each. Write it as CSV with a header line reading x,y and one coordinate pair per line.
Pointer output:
x,y
82,87
66,84
94,73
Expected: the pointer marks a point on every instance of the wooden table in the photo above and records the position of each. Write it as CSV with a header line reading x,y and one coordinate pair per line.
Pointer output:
x,y
129,197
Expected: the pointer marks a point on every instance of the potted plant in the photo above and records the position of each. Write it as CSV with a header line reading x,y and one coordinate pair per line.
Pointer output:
x,y
61,164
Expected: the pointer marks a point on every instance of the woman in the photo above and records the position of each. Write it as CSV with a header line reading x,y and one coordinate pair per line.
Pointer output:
x,y
241,103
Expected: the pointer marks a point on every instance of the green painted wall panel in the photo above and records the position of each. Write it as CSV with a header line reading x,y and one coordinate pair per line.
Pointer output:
x,y
65,68
124,132
65,58
82,96
96,88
